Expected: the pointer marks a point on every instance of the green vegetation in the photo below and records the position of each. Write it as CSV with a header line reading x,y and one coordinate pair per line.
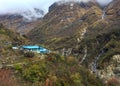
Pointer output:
x,y
8,39
101,39
81,30
57,71
29,54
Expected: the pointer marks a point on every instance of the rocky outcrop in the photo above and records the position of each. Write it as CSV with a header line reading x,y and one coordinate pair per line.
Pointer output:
x,y
112,70
113,11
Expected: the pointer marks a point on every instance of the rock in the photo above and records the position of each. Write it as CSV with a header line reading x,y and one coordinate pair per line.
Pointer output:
x,y
110,12
112,70
116,59
109,71
66,52
113,10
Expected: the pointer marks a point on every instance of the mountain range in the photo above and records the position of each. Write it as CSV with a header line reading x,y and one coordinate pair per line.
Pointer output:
x,y
86,30
22,22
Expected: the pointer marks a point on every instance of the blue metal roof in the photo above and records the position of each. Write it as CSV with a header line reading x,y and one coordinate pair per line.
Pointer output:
x,y
43,49
39,48
31,47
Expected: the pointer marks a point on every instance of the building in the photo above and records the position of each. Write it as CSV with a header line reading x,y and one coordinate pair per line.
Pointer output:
x,y
35,48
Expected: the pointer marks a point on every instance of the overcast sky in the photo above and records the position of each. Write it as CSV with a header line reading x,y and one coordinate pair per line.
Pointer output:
x,y
13,5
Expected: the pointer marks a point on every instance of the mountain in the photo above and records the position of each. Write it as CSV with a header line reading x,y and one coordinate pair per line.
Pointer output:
x,y
17,68
113,12
57,23
9,39
22,22
86,30
32,14
83,37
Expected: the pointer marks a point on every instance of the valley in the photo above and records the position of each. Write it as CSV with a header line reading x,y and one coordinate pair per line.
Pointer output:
x,y
74,44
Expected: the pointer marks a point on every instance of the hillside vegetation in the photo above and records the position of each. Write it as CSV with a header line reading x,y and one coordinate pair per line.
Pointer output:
x,y
84,40
85,30
16,69
9,39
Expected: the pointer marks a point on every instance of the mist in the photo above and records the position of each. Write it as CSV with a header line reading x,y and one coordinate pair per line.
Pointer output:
x,y
20,6
104,2
12,6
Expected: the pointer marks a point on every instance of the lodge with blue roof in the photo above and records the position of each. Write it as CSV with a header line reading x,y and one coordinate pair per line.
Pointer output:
x,y
35,48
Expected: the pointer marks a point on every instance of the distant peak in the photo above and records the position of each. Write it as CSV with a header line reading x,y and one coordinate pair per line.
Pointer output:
x,y
33,14
74,1
81,3
27,15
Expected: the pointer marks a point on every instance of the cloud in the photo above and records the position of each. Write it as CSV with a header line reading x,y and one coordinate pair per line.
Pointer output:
x,y
104,2
13,6
20,5
101,2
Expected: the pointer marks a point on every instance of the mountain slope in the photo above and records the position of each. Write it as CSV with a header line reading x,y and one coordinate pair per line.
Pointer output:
x,y
113,11
22,22
90,33
61,20
9,39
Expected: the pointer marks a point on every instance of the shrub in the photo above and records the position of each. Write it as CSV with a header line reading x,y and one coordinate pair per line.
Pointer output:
x,y
29,54
34,73
18,67
58,72
54,57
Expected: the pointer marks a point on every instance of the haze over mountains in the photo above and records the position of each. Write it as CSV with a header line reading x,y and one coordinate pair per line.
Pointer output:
x,y
22,22
24,15
29,9
16,6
